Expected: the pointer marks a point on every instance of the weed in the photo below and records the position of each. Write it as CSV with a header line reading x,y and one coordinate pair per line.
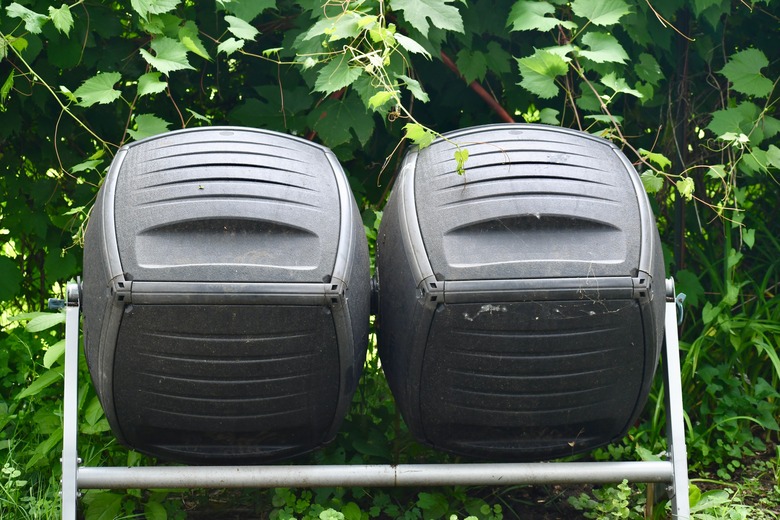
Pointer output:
x,y
610,502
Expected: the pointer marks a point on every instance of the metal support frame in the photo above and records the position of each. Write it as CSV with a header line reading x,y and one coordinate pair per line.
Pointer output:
x,y
673,472
675,421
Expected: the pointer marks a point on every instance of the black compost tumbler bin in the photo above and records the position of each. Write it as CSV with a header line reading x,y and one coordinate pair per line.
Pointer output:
x,y
521,304
226,295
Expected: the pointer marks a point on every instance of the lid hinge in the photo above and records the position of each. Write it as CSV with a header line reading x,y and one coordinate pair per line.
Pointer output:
x,y
431,291
641,287
122,291
335,292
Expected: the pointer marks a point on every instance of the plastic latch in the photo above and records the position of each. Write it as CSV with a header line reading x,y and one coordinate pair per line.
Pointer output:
x,y
123,291
432,291
334,292
641,288
678,301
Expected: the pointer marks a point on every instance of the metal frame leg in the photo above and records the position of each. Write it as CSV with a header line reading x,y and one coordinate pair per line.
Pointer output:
x,y
675,422
70,460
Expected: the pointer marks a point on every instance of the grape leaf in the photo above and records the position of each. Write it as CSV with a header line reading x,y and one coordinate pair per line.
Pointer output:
x,y
652,182
498,60
418,134
601,12
61,18
188,36
346,25
230,46
656,158
461,156
608,120
247,10
169,55
539,72
414,87
754,162
773,156
20,44
379,99
320,28
441,15
99,89
146,7
699,6
734,120
33,22
604,48
199,117
717,171
337,120
365,88
529,16
473,65
549,116
8,84
241,29
686,187
336,74
85,166
648,69
743,70
165,24
148,125
771,126
150,83
68,94
411,45
688,283
154,25
619,85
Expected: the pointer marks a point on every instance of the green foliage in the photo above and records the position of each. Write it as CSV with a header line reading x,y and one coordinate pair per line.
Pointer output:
x,y
743,70
424,14
61,18
610,502
419,135
99,89
33,22
540,72
169,55
686,88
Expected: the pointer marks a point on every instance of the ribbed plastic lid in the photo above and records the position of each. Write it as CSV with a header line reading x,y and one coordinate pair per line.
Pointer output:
x,y
535,202
227,204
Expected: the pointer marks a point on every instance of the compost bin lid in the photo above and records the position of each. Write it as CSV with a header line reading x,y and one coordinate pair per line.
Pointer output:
x,y
226,205
534,202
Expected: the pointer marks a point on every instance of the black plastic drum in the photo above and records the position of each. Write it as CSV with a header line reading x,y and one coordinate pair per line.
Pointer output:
x,y
521,304
226,295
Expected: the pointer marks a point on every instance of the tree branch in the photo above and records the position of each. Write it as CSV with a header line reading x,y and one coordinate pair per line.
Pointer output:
x,y
479,89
